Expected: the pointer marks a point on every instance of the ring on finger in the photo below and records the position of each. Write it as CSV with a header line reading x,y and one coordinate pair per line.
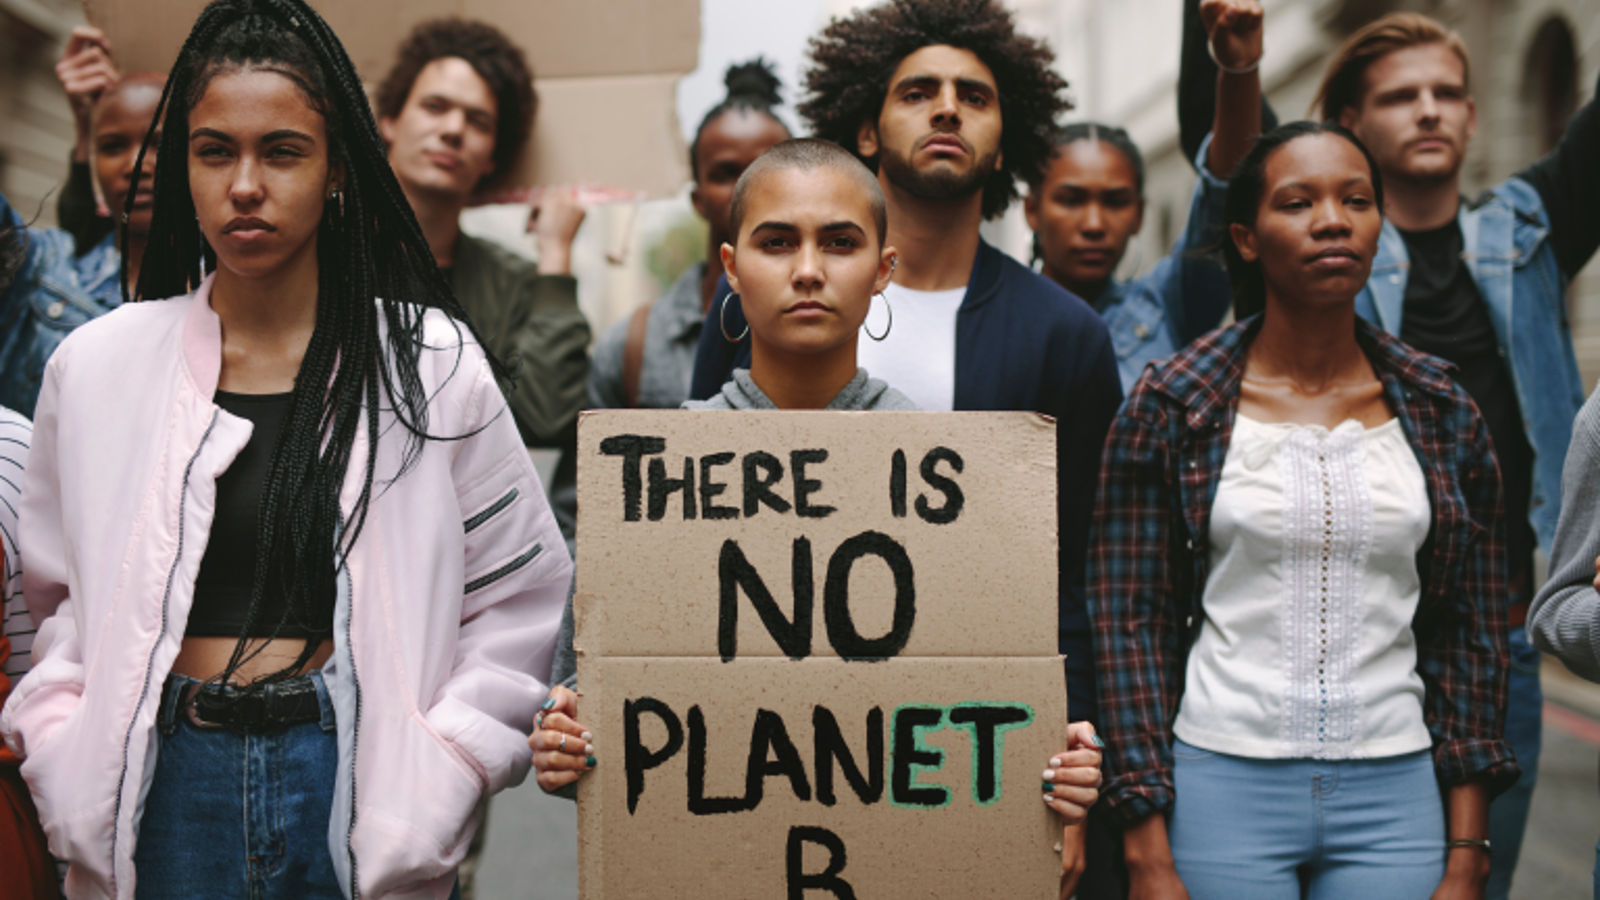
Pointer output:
x,y
563,744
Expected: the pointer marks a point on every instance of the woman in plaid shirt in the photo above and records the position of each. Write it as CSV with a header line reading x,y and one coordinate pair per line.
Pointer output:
x,y
1296,577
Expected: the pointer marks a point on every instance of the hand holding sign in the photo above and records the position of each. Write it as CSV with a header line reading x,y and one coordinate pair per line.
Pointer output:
x,y
563,749
1073,779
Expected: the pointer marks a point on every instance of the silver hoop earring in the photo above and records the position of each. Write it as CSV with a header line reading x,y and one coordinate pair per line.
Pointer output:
x,y
887,328
723,318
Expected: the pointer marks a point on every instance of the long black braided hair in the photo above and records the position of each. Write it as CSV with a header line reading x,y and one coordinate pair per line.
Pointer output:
x,y
376,279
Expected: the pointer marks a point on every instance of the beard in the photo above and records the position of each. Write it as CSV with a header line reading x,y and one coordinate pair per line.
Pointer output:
x,y
940,183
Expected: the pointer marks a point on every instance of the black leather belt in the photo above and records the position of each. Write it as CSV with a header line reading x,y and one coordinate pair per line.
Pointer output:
x,y
258,709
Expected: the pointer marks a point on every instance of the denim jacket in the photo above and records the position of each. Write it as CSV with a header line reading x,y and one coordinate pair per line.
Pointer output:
x,y
1183,297
1504,234
54,292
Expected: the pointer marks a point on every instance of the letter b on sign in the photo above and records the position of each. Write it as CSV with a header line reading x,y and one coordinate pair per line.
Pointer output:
x,y
826,880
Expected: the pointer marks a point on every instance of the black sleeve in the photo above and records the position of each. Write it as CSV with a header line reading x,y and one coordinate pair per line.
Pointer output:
x,y
1569,183
1197,86
1084,408
716,357
75,210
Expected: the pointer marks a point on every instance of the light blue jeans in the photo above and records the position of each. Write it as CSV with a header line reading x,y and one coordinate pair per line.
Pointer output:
x,y
1259,829
1508,814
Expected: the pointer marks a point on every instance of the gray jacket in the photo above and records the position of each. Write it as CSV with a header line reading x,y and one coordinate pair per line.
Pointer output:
x,y
1565,617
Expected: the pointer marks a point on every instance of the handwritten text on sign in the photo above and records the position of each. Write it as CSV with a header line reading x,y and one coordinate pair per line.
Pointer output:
x,y
734,726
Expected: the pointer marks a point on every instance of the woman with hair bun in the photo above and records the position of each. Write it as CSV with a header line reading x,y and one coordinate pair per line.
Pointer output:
x,y
646,360
297,581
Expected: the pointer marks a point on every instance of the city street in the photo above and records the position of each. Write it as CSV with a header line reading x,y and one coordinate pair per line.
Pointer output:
x,y
532,851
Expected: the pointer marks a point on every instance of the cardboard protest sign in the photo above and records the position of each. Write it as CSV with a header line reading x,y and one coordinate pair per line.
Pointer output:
x,y
818,654
606,71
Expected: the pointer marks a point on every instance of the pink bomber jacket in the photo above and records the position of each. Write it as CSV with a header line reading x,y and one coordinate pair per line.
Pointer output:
x,y
448,604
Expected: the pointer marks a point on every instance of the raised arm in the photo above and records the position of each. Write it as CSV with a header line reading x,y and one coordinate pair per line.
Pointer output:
x,y
1565,617
1198,78
1568,181
85,71
1235,28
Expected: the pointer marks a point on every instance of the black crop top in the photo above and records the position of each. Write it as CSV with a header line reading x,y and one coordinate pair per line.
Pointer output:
x,y
227,571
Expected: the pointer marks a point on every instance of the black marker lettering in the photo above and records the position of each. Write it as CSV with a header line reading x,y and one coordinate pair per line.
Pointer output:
x,y
699,803
710,489
632,448
826,880
954,499
637,758
842,633
734,572
830,745
985,721
662,487
907,720
804,487
768,737
758,490
897,485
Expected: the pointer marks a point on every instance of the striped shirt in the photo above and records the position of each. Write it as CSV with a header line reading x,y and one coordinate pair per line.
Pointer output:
x,y
15,433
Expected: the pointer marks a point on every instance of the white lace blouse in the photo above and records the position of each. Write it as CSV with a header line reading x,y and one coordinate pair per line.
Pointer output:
x,y
1306,648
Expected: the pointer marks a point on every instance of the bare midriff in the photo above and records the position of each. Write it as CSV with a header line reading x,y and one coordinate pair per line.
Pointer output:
x,y
204,658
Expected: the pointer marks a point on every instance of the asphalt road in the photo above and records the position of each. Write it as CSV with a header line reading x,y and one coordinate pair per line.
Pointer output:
x,y
532,849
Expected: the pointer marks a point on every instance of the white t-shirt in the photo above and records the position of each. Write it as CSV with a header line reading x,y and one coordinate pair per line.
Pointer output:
x,y
1306,651
918,358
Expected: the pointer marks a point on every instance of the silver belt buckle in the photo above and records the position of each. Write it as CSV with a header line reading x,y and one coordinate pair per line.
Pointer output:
x,y
190,694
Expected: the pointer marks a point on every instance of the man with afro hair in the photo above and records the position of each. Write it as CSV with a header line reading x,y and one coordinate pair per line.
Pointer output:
x,y
951,107
456,110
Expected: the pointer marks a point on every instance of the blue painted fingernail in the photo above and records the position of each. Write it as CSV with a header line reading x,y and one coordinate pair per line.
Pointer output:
x,y
1049,788
590,762
549,703
1097,742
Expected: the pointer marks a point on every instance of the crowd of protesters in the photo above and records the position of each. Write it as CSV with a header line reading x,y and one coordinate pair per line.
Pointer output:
x,y
260,371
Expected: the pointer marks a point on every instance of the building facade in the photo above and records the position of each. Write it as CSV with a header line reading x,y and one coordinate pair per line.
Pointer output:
x,y
35,120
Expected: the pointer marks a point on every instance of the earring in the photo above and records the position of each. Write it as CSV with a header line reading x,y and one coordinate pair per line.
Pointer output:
x,y
723,317
337,196
886,328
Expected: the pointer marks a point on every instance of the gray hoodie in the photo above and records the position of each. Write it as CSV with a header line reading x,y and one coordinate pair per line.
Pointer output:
x,y
862,393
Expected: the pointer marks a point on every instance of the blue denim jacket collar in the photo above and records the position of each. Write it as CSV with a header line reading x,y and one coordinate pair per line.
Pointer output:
x,y
1505,247
55,291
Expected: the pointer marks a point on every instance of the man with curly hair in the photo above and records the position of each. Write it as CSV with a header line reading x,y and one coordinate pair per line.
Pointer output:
x,y
456,110
951,107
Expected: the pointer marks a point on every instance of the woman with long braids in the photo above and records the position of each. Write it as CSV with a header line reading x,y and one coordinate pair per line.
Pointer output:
x,y
297,579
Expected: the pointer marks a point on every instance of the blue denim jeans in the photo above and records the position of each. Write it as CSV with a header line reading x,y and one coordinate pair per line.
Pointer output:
x,y
1257,829
1508,814
232,816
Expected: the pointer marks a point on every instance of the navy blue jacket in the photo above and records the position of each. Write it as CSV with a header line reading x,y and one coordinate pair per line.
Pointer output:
x,y
1022,343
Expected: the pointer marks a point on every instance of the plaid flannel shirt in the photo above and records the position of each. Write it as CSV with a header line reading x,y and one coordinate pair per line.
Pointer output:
x,y
1148,560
